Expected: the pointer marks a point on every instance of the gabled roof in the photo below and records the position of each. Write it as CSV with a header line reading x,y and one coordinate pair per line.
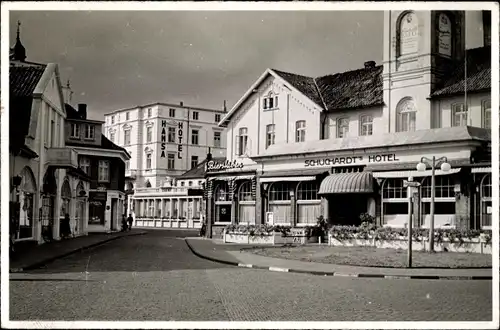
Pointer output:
x,y
24,79
478,74
352,89
306,85
199,171
449,134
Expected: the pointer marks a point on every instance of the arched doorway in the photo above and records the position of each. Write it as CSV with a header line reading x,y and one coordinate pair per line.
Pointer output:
x,y
27,191
49,191
81,196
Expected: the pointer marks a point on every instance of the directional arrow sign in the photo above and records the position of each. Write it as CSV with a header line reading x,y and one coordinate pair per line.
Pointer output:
x,y
407,183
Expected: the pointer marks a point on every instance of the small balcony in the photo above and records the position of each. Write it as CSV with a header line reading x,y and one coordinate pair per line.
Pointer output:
x,y
62,158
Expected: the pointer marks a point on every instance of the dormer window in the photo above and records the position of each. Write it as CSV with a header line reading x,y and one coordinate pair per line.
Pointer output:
x,y
89,132
75,131
271,101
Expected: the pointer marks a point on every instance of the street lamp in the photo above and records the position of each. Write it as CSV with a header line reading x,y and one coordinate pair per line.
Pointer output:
x,y
445,167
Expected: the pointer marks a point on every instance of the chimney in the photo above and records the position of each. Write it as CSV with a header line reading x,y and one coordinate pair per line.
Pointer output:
x,y
225,108
369,65
182,104
82,110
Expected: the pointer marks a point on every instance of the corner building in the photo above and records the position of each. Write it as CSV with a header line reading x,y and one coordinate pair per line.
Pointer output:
x,y
342,145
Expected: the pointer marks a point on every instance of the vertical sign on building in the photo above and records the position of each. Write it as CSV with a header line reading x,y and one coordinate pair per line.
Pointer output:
x,y
179,134
163,137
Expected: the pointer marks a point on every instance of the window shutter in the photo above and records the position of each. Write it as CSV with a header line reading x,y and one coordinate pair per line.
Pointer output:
x,y
275,101
237,146
248,149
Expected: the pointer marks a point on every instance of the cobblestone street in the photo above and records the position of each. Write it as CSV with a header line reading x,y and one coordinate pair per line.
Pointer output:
x,y
156,277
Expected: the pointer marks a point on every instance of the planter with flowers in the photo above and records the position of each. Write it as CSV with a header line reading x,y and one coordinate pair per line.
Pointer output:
x,y
449,240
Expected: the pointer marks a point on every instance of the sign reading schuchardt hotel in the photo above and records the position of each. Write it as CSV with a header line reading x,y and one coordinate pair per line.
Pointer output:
x,y
351,160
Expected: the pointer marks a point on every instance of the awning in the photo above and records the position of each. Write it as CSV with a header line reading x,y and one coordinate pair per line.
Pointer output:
x,y
232,177
480,170
341,183
415,174
288,178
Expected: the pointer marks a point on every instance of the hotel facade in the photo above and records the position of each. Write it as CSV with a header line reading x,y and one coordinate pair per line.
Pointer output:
x,y
164,140
342,145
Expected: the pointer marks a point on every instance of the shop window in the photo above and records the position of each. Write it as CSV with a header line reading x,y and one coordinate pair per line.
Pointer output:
x,y
444,187
308,203
26,198
486,202
394,203
366,125
222,193
406,116
394,188
279,202
246,204
486,117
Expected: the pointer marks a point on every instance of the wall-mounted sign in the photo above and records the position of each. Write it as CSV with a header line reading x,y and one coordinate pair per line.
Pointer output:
x,y
225,165
163,138
444,35
353,160
408,34
179,134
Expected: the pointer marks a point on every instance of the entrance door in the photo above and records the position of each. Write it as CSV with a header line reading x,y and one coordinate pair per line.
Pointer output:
x,y
345,209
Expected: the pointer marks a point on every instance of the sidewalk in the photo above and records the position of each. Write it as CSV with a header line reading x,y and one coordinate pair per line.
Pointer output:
x,y
234,255
48,252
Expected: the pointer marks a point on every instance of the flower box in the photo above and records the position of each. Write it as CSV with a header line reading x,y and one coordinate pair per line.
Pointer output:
x,y
294,237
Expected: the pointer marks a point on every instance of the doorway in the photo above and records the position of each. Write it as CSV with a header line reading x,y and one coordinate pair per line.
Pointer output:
x,y
345,209
114,204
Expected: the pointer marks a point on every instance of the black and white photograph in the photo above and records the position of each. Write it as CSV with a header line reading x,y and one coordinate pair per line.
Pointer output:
x,y
250,165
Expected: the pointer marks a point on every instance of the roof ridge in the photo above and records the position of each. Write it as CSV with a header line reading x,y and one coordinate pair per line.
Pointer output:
x,y
295,74
349,71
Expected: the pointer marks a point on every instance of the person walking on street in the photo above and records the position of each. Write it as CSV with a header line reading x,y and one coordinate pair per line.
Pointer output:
x,y
130,220
124,223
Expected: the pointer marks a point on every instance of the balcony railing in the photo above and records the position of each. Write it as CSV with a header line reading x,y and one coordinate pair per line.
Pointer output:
x,y
62,158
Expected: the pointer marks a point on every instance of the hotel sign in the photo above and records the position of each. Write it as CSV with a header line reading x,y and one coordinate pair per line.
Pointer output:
x,y
222,166
163,138
351,160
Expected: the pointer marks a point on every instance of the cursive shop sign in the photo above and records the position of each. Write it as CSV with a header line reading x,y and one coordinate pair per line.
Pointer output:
x,y
352,160
222,166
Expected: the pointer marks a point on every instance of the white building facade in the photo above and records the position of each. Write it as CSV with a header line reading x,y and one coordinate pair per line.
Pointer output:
x,y
341,145
164,140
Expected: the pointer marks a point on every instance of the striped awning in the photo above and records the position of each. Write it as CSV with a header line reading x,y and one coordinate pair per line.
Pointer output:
x,y
288,178
415,174
480,170
341,183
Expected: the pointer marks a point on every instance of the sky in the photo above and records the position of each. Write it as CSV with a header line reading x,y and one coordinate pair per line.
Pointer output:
x,y
117,60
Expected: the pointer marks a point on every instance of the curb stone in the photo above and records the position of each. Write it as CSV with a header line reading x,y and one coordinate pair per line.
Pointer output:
x,y
43,262
338,274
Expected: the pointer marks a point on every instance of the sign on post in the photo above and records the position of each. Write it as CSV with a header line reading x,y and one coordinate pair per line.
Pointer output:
x,y
407,184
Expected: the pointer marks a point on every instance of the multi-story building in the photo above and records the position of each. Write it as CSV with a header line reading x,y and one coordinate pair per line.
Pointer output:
x,y
342,145
164,140
104,163
45,178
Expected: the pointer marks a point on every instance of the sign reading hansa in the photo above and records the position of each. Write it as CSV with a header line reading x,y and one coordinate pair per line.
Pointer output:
x,y
351,160
222,166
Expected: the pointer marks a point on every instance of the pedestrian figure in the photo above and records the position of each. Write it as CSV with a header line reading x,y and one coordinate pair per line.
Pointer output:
x,y
124,223
66,228
130,220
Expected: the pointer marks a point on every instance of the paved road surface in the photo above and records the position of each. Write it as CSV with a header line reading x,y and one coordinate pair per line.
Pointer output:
x,y
155,277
